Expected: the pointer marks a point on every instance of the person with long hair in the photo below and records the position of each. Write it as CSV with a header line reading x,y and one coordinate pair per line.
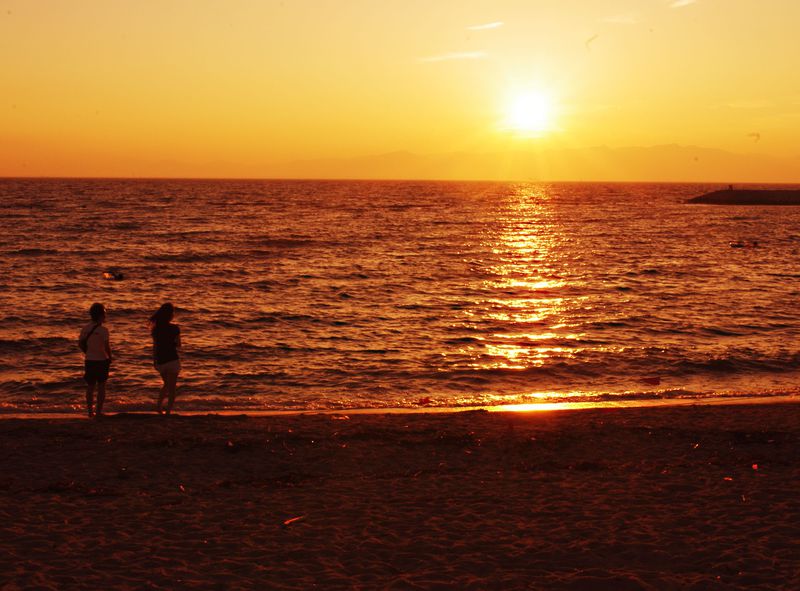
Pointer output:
x,y
94,343
166,344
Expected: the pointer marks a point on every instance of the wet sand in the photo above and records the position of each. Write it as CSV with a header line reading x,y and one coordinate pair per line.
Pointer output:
x,y
601,499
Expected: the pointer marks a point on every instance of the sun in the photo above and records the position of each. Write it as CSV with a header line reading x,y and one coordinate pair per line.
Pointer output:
x,y
530,113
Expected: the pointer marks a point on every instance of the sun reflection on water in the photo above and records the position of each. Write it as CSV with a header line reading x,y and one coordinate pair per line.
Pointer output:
x,y
527,308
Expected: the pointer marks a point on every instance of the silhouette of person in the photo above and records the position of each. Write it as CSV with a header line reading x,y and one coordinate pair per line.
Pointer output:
x,y
94,342
166,343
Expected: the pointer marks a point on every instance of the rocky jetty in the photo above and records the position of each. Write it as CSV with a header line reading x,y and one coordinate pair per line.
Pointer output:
x,y
750,197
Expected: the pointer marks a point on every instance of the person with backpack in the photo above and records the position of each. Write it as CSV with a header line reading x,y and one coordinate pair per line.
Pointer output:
x,y
94,342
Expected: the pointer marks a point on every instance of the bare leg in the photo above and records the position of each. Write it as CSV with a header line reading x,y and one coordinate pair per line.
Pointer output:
x,y
90,399
101,397
171,383
161,394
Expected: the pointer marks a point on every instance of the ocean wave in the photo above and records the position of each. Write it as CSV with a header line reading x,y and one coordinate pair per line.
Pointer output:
x,y
609,324
127,225
37,344
283,317
289,243
737,363
30,252
722,332
193,257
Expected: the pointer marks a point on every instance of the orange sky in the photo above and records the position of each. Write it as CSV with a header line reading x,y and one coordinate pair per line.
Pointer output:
x,y
151,87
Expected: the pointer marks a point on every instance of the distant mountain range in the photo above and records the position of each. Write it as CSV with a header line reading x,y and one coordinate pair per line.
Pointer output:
x,y
670,163
658,163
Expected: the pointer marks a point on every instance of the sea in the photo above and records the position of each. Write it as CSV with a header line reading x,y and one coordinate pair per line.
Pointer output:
x,y
339,295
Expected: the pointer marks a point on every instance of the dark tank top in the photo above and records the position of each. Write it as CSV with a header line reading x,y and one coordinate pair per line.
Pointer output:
x,y
165,340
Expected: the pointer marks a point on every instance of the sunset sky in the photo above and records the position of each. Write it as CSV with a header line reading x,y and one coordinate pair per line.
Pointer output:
x,y
227,88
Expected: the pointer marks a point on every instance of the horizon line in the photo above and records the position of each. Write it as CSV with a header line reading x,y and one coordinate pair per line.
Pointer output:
x,y
725,182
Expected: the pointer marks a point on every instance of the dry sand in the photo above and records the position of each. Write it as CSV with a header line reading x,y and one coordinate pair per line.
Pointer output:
x,y
613,499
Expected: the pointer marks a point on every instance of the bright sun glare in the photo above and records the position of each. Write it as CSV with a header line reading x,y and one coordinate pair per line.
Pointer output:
x,y
530,113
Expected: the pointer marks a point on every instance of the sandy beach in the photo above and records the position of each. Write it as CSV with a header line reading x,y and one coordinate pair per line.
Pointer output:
x,y
603,499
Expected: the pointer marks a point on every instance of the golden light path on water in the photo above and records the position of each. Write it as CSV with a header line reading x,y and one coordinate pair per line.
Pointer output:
x,y
526,278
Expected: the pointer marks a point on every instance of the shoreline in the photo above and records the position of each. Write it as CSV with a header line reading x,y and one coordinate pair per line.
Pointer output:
x,y
511,408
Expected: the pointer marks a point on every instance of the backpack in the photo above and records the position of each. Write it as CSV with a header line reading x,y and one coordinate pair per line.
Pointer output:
x,y
84,342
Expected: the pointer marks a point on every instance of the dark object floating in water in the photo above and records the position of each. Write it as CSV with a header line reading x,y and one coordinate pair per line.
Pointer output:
x,y
744,244
750,197
113,275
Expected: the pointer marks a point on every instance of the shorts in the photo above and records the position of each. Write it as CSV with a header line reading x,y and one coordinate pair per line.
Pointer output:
x,y
96,371
169,368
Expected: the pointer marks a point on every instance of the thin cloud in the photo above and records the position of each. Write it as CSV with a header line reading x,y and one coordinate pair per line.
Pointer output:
x,y
750,105
621,19
464,55
486,26
681,3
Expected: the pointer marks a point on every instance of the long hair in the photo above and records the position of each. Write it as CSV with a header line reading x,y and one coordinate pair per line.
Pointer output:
x,y
162,317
